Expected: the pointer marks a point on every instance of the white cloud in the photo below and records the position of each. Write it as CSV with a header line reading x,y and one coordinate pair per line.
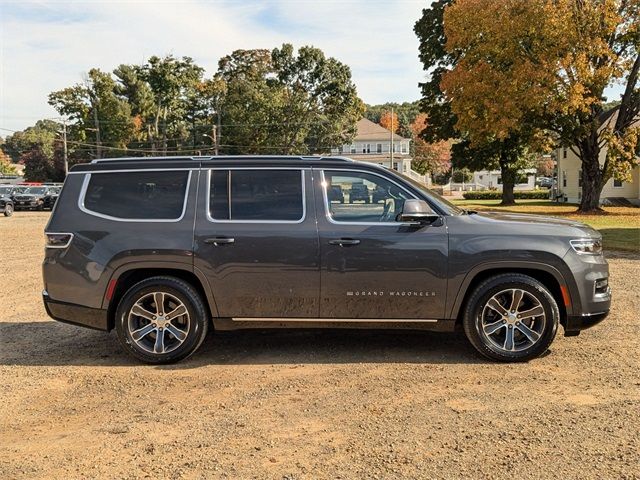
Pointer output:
x,y
49,45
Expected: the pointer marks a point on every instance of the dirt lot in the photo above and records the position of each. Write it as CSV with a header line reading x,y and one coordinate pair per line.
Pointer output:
x,y
310,405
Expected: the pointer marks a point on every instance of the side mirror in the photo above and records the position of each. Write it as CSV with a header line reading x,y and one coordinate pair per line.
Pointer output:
x,y
418,211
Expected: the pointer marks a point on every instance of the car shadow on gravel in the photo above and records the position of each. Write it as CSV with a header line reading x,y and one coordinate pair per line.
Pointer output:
x,y
55,344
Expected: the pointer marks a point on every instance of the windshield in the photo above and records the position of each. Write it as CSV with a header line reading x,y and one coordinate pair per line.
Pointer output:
x,y
35,190
5,190
440,201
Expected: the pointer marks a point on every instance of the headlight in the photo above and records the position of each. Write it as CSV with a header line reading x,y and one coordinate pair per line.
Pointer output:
x,y
587,246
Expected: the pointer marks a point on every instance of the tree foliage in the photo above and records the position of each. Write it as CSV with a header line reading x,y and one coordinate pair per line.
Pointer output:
x,y
433,158
544,77
389,120
6,165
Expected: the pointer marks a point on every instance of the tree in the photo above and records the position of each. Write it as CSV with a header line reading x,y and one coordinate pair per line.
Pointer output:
x,y
280,102
433,158
389,121
443,124
546,74
38,166
6,165
41,135
406,114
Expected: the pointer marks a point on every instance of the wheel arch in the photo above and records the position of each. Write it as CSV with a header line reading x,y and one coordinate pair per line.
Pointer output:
x,y
128,275
549,276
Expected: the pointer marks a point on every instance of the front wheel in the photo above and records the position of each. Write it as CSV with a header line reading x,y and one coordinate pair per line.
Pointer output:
x,y
161,320
511,318
8,210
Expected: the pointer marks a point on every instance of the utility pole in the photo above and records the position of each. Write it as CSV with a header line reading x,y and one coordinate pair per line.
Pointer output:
x,y
215,140
64,145
391,144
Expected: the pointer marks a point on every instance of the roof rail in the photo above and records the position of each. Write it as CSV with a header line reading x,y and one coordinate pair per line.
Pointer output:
x,y
224,157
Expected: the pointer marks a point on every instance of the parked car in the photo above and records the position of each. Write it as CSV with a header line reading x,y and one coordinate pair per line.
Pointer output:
x,y
160,249
34,198
359,192
379,194
335,194
6,203
544,182
50,199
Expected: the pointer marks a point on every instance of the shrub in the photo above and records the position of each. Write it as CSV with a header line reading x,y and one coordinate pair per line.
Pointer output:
x,y
518,195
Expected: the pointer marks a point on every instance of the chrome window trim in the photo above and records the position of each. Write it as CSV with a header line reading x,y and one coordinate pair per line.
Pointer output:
x,y
85,186
291,222
136,170
326,197
71,235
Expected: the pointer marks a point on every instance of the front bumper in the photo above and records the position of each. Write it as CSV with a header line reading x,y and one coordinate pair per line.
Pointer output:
x,y
74,314
576,323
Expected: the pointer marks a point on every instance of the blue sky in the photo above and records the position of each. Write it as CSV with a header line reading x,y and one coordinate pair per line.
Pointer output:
x,y
48,45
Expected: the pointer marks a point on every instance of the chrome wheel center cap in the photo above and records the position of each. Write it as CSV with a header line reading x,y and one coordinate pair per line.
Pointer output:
x,y
511,318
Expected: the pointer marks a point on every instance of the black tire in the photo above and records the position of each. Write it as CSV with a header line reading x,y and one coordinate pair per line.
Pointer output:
x,y
196,319
8,210
480,319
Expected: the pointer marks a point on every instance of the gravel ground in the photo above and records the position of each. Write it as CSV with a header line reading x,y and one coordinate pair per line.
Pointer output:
x,y
292,405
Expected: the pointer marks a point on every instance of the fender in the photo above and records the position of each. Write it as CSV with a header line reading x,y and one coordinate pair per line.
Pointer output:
x,y
462,290
187,267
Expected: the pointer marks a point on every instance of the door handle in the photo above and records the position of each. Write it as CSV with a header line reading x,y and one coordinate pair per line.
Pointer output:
x,y
344,242
217,241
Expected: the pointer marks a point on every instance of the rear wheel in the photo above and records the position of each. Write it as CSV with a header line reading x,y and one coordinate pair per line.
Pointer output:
x,y
8,210
161,320
511,318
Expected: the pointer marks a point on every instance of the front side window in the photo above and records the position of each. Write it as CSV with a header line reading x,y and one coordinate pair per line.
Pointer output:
x,y
362,197
137,195
256,195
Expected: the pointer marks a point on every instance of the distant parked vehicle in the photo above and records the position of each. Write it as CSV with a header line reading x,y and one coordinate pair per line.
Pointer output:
x,y
34,198
359,192
544,182
379,194
336,194
51,198
6,203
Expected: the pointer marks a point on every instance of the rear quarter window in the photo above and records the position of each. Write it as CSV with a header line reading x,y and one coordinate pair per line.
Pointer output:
x,y
136,195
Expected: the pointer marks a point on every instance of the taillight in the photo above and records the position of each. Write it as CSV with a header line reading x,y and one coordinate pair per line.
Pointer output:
x,y
57,240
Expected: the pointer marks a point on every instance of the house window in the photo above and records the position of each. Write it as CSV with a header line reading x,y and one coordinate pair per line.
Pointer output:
x,y
564,178
353,148
480,177
499,180
617,183
580,178
404,148
366,148
379,148
564,153
395,166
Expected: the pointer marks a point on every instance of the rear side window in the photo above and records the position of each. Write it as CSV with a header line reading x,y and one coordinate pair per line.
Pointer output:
x,y
256,195
137,195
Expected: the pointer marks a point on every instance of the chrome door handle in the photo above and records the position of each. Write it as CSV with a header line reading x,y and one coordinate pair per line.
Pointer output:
x,y
217,241
344,242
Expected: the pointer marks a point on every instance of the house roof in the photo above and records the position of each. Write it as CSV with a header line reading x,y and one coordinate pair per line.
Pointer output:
x,y
367,130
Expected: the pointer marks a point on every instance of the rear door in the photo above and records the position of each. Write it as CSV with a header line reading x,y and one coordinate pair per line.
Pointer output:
x,y
373,266
256,241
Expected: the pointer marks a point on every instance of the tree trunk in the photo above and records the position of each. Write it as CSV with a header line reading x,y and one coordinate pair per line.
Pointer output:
x,y
508,182
592,175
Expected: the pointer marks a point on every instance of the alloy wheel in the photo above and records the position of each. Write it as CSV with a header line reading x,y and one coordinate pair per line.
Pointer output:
x,y
512,320
158,322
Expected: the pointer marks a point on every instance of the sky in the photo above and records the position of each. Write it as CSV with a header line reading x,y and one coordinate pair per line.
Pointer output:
x,y
49,45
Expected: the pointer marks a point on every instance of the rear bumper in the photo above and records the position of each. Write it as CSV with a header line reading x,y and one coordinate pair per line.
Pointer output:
x,y
74,314
577,323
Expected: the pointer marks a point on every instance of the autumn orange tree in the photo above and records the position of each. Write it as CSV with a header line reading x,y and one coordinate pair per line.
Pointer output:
x,y
539,68
390,121
433,158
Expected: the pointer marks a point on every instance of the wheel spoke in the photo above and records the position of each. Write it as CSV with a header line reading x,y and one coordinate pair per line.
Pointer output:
x,y
533,312
492,328
159,345
142,312
508,340
532,335
493,304
142,332
176,332
516,298
176,312
158,298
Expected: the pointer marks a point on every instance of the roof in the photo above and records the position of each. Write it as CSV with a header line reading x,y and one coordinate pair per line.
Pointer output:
x,y
367,130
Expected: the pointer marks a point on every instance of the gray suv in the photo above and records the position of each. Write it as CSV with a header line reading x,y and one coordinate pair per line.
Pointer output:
x,y
163,249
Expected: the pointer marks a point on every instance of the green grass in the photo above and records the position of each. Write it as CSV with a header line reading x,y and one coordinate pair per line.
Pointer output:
x,y
620,226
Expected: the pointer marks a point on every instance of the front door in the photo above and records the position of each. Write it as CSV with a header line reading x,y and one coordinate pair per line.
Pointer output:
x,y
372,266
256,241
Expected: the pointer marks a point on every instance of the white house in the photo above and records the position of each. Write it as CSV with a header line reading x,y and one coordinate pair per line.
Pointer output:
x,y
372,143
570,174
493,179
